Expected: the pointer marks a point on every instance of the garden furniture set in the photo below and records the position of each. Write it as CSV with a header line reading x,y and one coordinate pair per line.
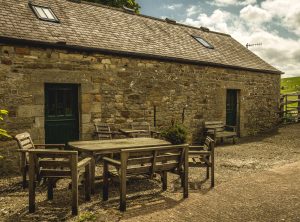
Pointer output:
x,y
139,154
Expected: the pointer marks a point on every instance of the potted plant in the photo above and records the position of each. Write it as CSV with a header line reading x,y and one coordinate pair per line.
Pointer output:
x,y
176,134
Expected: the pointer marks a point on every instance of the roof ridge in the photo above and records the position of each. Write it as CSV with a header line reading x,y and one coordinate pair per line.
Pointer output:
x,y
146,16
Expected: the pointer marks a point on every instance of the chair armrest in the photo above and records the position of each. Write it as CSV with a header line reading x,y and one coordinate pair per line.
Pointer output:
x,y
196,147
59,146
84,162
21,151
111,161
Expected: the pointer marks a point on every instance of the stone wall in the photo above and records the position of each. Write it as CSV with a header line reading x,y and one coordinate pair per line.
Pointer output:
x,y
120,90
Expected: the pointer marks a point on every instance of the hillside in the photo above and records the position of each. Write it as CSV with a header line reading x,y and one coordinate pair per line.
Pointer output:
x,y
289,85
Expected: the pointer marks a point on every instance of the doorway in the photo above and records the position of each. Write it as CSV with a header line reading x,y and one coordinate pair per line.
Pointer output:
x,y
61,113
232,114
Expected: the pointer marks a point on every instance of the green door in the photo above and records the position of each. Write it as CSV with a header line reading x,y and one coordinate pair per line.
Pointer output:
x,y
231,107
61,113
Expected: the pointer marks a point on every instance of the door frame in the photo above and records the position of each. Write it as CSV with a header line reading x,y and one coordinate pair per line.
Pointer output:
x,y
238,105
78,111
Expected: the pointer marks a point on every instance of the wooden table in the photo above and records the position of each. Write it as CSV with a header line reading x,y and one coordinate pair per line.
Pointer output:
x,y
99,147
132,132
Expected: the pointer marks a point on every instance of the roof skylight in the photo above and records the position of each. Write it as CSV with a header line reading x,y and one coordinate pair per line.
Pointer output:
x,y
203,42
44,13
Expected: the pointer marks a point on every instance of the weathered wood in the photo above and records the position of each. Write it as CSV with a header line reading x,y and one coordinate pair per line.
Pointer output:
x,y
74,178
87,180
123,171
186,173
41,166
105,181
31,183
143,126
203,158
217,129
160,159
102,130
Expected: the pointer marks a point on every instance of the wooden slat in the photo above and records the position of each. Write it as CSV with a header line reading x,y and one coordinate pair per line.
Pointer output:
x,y
55,173
147,169
54,163
213,122
28,146
144,160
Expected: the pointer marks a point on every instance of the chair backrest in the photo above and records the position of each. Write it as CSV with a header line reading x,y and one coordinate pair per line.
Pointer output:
x,y
142,126
24,141
212,126
53,163
153,159
209,144
102,130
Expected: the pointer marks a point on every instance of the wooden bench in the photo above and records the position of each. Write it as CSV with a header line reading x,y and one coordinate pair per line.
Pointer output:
x,y
57,164
143,126
203,156
150,160
218,130
25,143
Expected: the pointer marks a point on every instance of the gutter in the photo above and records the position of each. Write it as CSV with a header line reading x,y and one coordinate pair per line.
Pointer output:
x,y
63,45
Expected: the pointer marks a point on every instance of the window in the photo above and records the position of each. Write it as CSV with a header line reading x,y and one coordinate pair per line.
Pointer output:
x,y
203,42
44,13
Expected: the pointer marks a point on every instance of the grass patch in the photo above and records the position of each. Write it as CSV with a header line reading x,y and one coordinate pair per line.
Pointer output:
x,y
290,85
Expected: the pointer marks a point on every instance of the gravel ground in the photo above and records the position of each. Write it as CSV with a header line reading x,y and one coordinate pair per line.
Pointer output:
x,y
252,179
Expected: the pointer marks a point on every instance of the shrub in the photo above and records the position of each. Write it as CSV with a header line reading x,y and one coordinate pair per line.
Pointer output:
x,y
176,134
3,133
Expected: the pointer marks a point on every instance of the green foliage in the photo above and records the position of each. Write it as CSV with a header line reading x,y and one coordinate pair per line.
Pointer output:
x,y
176,134
3,133
86,216
119,3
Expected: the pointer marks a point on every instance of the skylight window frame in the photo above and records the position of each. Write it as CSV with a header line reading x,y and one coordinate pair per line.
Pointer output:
x,y
37,14
203,42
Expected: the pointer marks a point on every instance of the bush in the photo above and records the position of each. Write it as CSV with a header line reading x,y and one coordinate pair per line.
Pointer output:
x,y
176,134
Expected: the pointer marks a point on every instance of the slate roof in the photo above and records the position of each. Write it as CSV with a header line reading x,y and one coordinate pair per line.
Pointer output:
x,y
100,27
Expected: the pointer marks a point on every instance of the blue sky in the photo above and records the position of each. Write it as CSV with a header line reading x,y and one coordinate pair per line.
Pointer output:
x,y
274,23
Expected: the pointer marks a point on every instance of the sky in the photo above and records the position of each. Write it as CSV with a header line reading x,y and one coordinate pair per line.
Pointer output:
x,y
275,24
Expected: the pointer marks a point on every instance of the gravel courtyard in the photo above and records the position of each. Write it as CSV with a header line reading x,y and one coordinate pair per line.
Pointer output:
x,y
256,180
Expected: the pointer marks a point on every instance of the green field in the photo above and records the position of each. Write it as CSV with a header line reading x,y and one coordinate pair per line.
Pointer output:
x,y
289,85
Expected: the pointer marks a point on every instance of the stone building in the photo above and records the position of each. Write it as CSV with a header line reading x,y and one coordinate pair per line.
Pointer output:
x,y
64,63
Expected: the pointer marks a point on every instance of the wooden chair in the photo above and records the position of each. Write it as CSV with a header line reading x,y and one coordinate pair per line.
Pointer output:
x,y
150,160
218,130
203,156
102,130
143,126
25,143
57,164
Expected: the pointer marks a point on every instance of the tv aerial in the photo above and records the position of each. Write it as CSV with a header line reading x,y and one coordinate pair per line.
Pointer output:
x,y
254,44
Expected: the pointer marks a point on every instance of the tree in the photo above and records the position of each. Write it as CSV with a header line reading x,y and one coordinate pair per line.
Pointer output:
x,y
119,3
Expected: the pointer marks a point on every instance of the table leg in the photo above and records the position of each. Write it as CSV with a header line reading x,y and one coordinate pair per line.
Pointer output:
x,y
93,168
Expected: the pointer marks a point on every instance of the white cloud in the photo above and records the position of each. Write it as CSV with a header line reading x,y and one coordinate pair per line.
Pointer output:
x,y
173,6
255,15
224,3
281,52
287,11
193,10
218,20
